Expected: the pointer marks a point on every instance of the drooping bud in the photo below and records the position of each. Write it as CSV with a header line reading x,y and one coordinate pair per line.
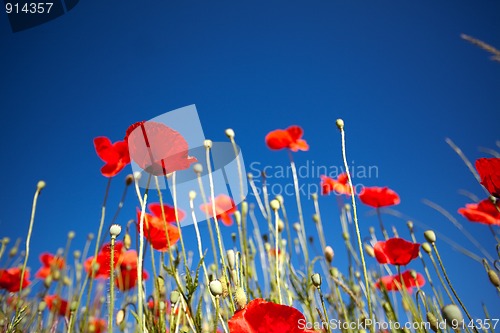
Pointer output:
x,y
127,241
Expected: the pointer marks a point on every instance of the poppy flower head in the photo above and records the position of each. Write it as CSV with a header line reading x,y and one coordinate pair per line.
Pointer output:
x,y
489,171
339,185
156,228
396,251
49,264
290,138
127,275
395,282
103,261
157,148
57,304
10,279
115,155
259,316
224,208
379,197
98,325
482,212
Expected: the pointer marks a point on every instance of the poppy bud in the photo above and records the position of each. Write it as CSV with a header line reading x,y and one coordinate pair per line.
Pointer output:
x,y
137,175
345,236
77,254
249,176
192,195
231,258
314,196
120,316
433,322
275,204
316,280
127,241
329,254
430,236
296,227
234,276
494,278
41,306
237,216
233,236
281,225
267,246
129,180
240,297
427,247
56,275
371,230
73,306
6,240
115,230
357,274
413,274
452,314
90,236
339,123
71,235
315,218
13,251
47,281
198,168
41,184
174,296
369,250
356,290
230,133
215,288
283,243
347,207
207,143
409,224
334,272
225,286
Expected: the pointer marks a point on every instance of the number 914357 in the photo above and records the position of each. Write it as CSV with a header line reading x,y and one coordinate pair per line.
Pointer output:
x,y
28,8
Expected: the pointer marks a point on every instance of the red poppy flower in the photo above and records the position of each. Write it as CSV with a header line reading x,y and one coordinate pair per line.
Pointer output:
x,y
339,185
393,282
261,316
10,279
98,325
104,260
49,263
157,148
127,276
57,304
115,155
482,212
289,138
396,251
378,197
154,226
489,171
224,208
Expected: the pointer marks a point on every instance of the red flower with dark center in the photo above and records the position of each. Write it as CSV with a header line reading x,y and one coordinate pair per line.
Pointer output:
x,y
261,316
339,185
10,279
155,226
290,138
224,208
115,155
127,276
49,264
482,212
57,304
157,148
378,197
395,282
103,260
396,251
489,171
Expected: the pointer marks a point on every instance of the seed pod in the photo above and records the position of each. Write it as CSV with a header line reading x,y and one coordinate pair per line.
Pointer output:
x,y
174,296
115,230
369,250
315,218
316,280
275,204
430,236
340,124
229,133
329,254
452,314
427,247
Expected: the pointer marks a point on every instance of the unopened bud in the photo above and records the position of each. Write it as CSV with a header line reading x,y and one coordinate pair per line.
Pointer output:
x,y
47,281
41,306
71,235
280,198
198,168
314,196
409,224
345,236
433,322
275,204
281,225
41,185
192,195
430,236
369,250
120,316
231,258
129,180
452,314
494,278
427,247
207,143
127,241
230,133
240,297
296,227
115,230
329,254
215,288
340,124
174,296
316,280
315,218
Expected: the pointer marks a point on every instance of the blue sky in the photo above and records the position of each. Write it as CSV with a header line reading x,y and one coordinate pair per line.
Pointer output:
x,y
396,72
